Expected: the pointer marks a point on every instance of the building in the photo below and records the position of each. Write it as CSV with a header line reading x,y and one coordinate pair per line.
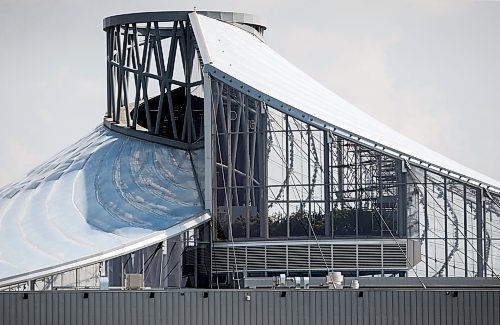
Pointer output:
x,y
221,165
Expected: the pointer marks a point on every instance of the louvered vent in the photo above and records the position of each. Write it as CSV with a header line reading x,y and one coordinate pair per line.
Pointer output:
x,y
237,258
276,257
256,258
370,256
219,259
306,256
393,257
320,257
344,256
298,257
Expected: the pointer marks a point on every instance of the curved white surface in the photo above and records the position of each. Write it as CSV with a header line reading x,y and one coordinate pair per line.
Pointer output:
x,y
244,57
102,193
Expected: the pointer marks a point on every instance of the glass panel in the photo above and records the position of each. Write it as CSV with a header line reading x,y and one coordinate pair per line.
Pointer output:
x,y
344,220
299,223
278,222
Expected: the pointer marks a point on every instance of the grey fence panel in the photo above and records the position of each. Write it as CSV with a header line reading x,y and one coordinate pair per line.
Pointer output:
x,y
255,307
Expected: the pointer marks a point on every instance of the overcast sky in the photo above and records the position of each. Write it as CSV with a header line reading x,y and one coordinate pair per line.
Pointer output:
x,y
430,69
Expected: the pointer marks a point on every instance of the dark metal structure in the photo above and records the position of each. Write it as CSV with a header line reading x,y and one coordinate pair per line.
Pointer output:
x,y
154,73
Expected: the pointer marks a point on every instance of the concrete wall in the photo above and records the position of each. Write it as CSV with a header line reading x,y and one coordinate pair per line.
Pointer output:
x,y
369,306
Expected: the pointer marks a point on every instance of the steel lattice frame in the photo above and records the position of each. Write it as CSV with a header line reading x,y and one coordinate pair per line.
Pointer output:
x,y
139,54
326,179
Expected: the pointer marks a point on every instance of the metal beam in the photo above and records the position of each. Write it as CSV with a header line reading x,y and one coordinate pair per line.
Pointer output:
x,y
262,163
479,232
208,141
109,82
161,73
326,181
445,200
170,71
466,241
426,227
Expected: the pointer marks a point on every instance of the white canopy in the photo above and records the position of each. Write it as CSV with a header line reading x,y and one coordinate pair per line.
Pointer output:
x,y
241,59
105,196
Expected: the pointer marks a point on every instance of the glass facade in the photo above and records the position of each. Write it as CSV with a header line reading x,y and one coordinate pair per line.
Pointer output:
x,y
279,178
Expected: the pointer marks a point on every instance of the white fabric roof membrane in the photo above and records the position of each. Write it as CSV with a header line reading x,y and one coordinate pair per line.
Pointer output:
x,y
242,56
105,192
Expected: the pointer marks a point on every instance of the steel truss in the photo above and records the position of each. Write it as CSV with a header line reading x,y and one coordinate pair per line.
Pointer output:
x,y
147,89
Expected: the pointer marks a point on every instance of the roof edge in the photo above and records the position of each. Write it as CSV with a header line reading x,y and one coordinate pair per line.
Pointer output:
x,y
166,16
143,242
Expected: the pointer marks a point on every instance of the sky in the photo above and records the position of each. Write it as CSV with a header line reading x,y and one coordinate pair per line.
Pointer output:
x,y
429,69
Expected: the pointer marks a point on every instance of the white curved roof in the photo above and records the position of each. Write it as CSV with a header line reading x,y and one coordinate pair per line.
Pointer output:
x,y
236,56
103,194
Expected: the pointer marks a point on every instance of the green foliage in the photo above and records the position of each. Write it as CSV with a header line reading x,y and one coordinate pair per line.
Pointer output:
x,y
344,221
299,225
239,227
344,224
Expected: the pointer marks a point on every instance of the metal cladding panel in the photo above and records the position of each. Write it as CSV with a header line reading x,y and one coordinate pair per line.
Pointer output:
x,y
110,191
265,307
243,57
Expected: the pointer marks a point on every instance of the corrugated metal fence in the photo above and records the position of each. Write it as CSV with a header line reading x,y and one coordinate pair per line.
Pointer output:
x,y
373,306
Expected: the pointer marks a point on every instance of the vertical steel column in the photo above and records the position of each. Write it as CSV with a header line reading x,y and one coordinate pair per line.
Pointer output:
x,y
356,189
127,54
195,273
121,58
112,70
245,114
426,228
380,195
160,68
465,229
486,242
170,73
287,180
263,173
215,148
479,232
230,167
208,142
109,80
140,81
326,181
145,80
402,198
340,170
309,196
188,69
445,199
